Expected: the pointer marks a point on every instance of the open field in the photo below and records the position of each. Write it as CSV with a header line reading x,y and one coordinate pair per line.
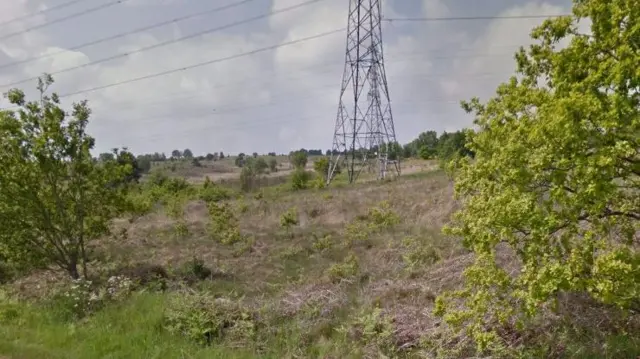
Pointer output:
x,y
355,274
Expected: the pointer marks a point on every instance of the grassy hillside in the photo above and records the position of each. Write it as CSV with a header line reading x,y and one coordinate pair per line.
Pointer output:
x,y
343,272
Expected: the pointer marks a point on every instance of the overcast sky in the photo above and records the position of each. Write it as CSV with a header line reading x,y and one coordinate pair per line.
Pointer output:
x,y
275,100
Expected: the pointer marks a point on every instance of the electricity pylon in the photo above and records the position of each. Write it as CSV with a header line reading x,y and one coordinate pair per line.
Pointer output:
x,y
364,125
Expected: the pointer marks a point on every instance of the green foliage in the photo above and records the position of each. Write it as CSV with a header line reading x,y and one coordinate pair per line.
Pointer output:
x,y
299,159
207,320
211,192
81,297
418,253
251,169
54,196
187,154
383,216
555,176
223,224
195,270
347,269
321,166
260,165
372,328
300,179
377,219
247,178
323,243
273,165
289,218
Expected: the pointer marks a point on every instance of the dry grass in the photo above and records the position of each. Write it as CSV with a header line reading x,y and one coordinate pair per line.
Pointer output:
x,y
286,270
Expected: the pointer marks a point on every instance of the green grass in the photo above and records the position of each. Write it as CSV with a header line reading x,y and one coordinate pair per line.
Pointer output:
x,y
130,330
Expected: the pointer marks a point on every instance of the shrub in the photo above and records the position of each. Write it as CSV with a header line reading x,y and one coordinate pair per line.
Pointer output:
x,y
321,166
419,253
300,179
211,192
206,320
299,159
195,270
289,218
223,225
273,165
347,269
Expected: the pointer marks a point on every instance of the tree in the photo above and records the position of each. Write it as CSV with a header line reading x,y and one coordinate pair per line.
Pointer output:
x,y
221,155
273,165
54,197
271,154
260,165
176,154
106,157
299,159
240,159
210,157
187,154
255,155
556,174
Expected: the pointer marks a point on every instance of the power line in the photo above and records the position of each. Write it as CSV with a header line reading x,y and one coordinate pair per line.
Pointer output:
x,y
194,94
165,43
463,18
135,31
232,57
56,7
64,18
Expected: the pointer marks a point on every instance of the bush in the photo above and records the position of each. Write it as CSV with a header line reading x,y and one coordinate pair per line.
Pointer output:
x,y
210,192
299,159
289,218
300,179
273,165
321,166
347,269
206,320
195,270
223,224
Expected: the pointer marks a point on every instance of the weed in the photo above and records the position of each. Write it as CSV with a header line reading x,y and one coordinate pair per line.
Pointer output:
x,y
371,328
322,243
347,269
418,253
206,320
195,270
180,230
289,218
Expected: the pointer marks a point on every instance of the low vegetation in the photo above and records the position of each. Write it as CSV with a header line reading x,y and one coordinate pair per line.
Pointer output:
x,y
517,240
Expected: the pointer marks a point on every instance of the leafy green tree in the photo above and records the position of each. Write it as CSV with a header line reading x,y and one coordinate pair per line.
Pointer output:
x,y
453,145
210,157
106,157
260,165
556,175
273,165
299,159
221,155
54,197
176,154
187,154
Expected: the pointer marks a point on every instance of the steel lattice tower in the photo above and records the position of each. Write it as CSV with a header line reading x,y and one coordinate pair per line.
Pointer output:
x,y
364,124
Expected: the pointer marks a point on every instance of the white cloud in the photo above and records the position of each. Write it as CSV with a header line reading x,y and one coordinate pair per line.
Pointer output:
x,y
270,101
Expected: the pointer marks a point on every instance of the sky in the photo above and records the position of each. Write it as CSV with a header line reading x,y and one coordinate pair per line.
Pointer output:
x,y
276,99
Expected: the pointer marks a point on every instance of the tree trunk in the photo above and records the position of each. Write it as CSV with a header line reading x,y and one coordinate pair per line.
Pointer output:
x,y
72,267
